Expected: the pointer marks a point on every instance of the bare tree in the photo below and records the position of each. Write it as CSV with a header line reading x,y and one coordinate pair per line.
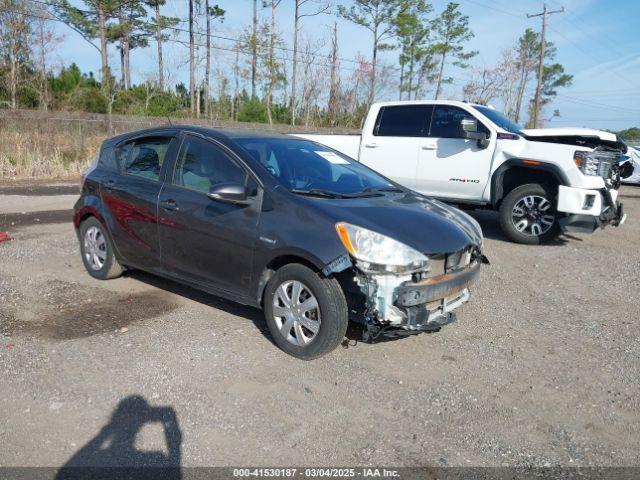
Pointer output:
x,y
214,12
334,89
46,41
272,62
491,83
156,28
159,45
254,48
16,30
321,7
378,17
312,83
192,76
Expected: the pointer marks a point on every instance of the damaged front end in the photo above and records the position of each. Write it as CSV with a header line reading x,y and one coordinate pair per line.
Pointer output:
x,y
588,209
394,289
423,301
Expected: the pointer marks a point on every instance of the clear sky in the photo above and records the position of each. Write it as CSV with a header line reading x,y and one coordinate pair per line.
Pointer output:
x,y
597,42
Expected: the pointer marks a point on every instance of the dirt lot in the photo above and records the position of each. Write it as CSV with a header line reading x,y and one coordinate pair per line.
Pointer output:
x,y
542,367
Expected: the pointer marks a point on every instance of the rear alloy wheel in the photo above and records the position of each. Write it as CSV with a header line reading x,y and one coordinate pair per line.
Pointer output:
x,y
306,314
97,251
528,215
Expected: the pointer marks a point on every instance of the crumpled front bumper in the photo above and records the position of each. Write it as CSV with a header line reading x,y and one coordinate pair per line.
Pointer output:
x,y
403,306
589,209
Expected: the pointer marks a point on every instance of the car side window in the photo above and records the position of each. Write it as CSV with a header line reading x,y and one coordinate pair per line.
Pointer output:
x,y
445,122
403,121
201,165
143,157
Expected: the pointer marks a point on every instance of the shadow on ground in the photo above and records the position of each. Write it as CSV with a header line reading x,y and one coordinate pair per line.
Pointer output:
x,y
250,313
488,220
113,453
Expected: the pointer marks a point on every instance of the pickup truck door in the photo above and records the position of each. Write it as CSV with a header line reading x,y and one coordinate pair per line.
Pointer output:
x,y
391,147
449,165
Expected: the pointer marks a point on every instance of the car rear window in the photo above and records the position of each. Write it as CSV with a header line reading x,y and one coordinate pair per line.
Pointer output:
x,y
403,121
143,157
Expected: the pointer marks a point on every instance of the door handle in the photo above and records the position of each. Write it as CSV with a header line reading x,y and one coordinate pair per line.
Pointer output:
x,y
370,145
430,146
169,205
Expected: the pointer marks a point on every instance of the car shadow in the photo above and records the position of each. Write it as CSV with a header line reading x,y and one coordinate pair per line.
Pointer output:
x,y
250,313
113,454
488,220
353,336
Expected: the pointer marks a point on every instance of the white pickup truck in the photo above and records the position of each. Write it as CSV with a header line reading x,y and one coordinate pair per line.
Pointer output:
x,y
542,181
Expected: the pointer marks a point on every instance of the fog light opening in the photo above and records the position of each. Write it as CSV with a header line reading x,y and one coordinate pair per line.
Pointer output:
x,y
589,201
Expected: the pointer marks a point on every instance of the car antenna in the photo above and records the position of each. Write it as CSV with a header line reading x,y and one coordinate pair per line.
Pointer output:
x,y
169,120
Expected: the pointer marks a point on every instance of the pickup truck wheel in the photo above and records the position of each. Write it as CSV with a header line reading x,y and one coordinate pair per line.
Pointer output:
x,y
528,214
307,315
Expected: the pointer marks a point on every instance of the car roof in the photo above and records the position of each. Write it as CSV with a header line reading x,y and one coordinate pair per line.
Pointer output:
x,y
218,133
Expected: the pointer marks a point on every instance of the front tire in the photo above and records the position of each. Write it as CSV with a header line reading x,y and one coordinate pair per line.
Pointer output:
x,y
528,214
97,251
307,314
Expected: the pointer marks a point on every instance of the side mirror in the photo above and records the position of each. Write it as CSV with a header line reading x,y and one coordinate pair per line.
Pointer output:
x,y
229,193
469,128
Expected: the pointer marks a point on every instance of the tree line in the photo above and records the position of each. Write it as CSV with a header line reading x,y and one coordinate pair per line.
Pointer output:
x,y
259,73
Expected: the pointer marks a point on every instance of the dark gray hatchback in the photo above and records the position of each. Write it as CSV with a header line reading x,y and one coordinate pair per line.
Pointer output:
x,y
307,234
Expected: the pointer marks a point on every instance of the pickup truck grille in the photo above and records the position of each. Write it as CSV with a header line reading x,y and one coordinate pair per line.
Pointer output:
x,y
600,163
605,162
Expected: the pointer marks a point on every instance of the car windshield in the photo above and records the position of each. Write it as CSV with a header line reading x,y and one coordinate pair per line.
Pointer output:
x,y
499,119
304,166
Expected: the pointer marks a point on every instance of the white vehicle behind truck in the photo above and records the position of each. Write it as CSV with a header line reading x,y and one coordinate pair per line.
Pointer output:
x,y
542,181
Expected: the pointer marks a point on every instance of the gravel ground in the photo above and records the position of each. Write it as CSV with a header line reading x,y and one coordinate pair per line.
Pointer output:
x,y
541,369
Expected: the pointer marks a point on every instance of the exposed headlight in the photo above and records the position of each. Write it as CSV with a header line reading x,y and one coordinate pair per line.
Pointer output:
x,y
597,162
379,253
586,162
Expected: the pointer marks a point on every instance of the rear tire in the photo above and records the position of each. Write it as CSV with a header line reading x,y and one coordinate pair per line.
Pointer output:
x,y
526,213
307,314
97,251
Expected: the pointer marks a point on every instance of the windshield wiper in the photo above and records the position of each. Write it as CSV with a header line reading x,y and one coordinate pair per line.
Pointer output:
x,y
389,189
316,192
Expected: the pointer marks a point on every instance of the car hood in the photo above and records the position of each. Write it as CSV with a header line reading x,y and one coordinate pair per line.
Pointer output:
x,y
570,132
425,224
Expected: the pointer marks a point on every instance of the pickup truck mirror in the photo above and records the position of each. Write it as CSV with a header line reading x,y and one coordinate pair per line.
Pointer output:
x,y
229,193
469,128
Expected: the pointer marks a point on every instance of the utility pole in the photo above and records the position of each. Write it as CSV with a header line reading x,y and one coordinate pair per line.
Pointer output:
x,y
543,40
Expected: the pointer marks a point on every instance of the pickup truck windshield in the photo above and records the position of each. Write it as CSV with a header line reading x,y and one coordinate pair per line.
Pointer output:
x,y
499,119
303,166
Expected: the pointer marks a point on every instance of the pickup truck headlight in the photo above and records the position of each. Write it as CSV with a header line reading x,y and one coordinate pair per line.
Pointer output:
x,y
586,163
378,253
597,162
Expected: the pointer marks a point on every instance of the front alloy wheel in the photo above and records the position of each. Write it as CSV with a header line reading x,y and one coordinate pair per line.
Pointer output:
x,y
533,215
528,214
296,312
306,313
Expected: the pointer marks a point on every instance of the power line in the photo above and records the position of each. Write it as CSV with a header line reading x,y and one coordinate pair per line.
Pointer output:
x,y
215,47
597,104
227,38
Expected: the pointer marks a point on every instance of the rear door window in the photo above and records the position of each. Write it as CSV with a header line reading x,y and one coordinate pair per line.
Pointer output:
x,y
143,157
403,121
